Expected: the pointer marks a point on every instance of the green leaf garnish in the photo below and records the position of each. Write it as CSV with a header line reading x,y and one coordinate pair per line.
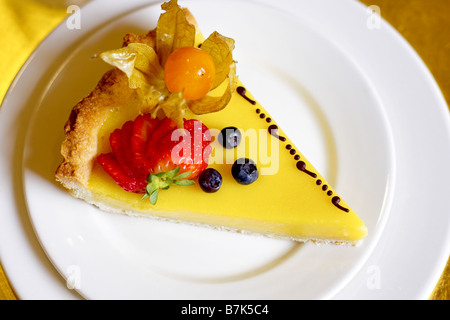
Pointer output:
x,y
183,175
184,182
173,173
162,181
154,197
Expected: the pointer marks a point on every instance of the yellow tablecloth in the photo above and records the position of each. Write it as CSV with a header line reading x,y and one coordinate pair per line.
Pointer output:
x,y
424,23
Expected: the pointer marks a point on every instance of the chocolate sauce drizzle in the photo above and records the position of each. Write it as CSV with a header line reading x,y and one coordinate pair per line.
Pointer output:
x,y
301,165
273,129
336,201
242,91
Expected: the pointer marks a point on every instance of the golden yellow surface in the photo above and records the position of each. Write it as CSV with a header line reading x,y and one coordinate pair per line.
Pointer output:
x,y
424,23
284,200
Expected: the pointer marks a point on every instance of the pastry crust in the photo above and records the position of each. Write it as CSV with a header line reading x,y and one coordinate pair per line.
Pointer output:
x,y
81,129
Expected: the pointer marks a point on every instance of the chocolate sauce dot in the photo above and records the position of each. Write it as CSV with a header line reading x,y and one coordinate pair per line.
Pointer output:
x,y
292,151
325,187
262,115
319,182
297,157
258,110
288,146
268,120
330,193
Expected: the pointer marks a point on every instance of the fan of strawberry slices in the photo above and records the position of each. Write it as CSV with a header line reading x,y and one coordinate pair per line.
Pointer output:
x,y
148,154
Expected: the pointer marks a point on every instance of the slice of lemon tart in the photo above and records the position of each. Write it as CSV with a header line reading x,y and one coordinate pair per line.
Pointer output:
x,y
171,133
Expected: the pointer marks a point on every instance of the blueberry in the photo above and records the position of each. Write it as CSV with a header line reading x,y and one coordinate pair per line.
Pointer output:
x,y
244,171
230,137
210,180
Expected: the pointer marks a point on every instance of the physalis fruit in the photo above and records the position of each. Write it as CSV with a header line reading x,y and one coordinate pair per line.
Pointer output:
x,y
189,70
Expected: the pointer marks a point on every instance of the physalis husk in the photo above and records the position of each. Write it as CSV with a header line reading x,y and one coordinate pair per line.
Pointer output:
x,y
144,66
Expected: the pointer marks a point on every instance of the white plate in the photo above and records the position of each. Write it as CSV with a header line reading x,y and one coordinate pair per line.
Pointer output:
x,y
116,256
326,106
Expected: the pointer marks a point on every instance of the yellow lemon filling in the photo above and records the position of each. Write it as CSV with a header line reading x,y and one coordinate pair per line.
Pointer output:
x,y
290,199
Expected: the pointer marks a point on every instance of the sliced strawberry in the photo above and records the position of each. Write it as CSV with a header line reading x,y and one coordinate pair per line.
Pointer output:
x,y
198,130
164,130
112,167
190,152
150,146
166,163
143,127
119,151
200,138
127,133
163,163
197,168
